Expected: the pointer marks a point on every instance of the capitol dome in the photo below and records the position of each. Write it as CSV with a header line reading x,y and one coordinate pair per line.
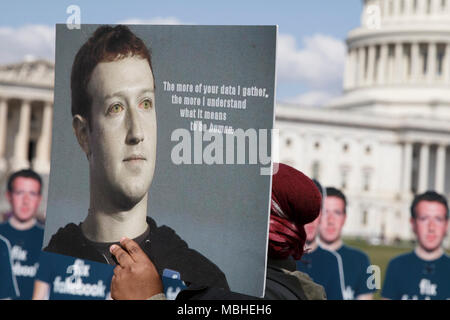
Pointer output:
x,y
398,60
387,137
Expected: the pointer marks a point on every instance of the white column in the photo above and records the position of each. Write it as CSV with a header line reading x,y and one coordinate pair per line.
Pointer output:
x,y
440,169
431,63
398,76
3,136
407,163
409,7
435,7
421,7
42,162
446,65
349,70
371,65
415,62
361,66
396,9
381,72
423,167
385,9
20,158
354,63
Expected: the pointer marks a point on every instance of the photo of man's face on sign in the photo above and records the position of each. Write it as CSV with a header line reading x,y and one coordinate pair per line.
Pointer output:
x,y
162,134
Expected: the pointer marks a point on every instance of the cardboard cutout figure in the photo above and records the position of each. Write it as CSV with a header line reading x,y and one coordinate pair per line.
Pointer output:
x,y
205,88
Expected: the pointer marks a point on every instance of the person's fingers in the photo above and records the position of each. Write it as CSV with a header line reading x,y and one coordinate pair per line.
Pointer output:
x,y
113,286
134,250
117,271
121,255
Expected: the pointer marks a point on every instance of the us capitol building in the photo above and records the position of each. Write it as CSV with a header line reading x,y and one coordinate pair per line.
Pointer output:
x,y
388,136
26,107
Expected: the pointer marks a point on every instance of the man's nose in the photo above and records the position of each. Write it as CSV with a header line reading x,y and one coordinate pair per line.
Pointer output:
x,y
329,218
135,133
26,197
431,225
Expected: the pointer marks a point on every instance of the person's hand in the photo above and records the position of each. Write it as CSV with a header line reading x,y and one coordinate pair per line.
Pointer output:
x,y
135,277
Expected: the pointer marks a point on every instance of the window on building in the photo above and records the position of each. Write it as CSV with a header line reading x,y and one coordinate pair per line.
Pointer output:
x,y
317,145
344,177
315,172
288,142
365,218
366,179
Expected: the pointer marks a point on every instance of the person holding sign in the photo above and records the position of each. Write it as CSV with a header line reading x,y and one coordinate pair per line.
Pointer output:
x,y
295,201
114,120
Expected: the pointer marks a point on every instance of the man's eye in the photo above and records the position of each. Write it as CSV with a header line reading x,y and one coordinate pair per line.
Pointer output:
x,y
146,104
115,108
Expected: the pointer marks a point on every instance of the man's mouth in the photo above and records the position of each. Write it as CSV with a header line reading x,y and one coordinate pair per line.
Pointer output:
x,y
134,157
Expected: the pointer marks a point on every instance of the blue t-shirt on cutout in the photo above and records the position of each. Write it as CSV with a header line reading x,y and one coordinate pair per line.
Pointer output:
x,y
71,278
8,283
26,247
324,268
408,277
356,272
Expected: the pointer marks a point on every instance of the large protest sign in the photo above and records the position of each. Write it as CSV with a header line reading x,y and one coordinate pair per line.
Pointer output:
x,y
214,102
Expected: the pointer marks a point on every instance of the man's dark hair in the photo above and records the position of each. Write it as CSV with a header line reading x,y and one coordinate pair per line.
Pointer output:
x,y
319,186
106,44
428,196
333,192
25,173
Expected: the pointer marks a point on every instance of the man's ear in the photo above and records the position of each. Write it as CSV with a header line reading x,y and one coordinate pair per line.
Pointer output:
x,y
81,130
9,196
413,225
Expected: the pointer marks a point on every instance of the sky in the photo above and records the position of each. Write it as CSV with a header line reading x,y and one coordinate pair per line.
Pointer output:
x,y
311,33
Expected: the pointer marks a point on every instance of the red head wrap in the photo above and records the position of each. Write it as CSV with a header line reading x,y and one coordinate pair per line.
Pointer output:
x,y
295,202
